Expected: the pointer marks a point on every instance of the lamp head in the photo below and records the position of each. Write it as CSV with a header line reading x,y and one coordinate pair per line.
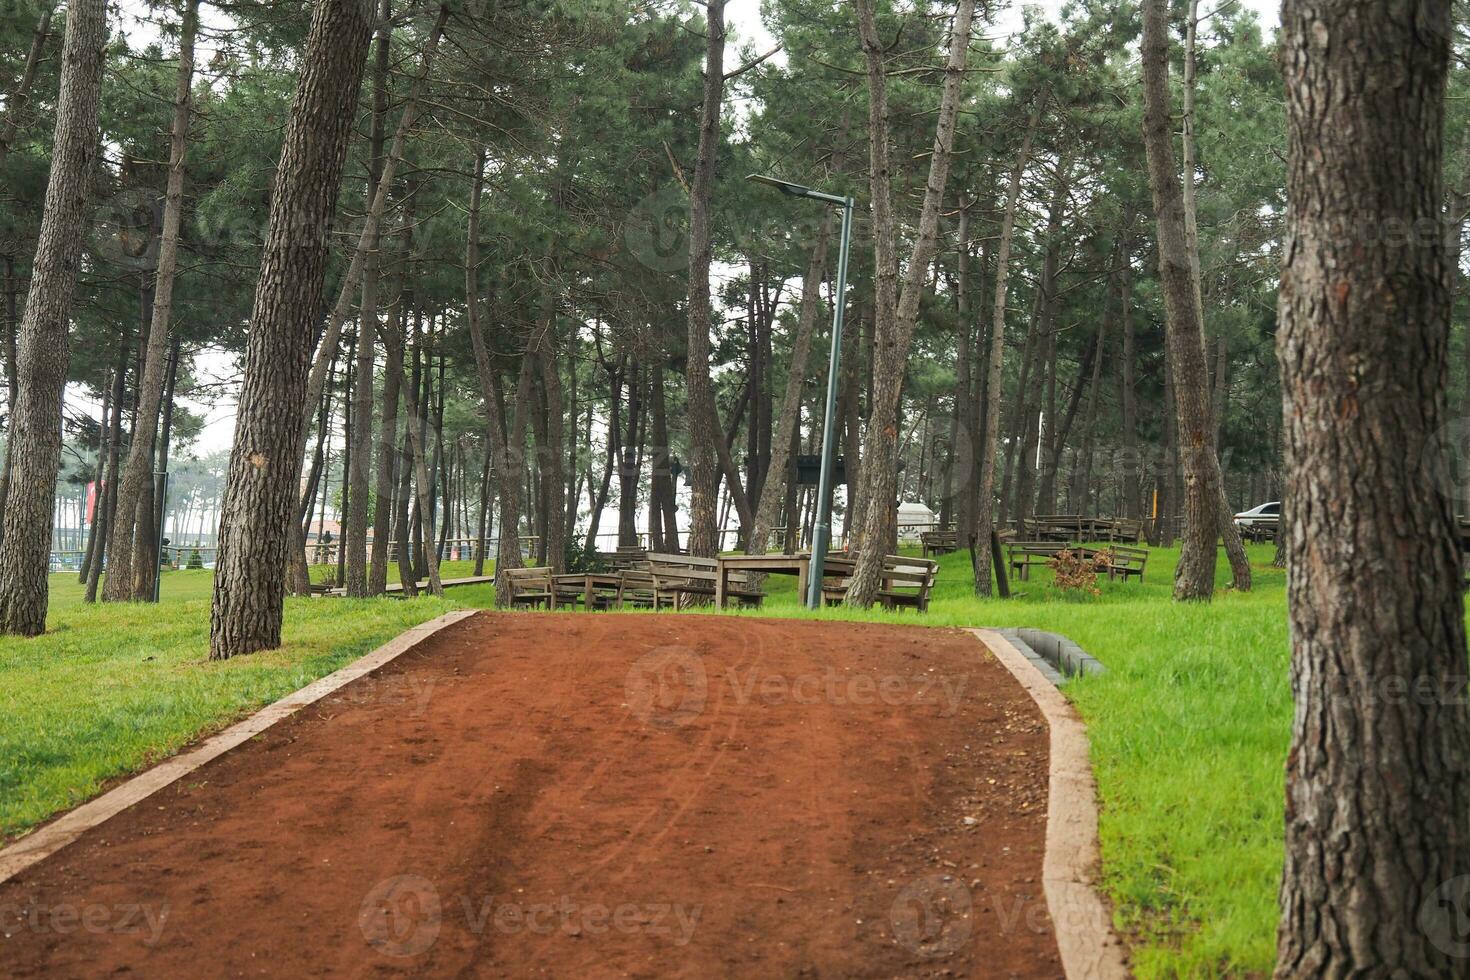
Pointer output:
x,y
784,186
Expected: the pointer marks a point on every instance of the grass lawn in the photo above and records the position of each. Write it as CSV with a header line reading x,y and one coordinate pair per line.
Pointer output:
x,y
1189,726
112,688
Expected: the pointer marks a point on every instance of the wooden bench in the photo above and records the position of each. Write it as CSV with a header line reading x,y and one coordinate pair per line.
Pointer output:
x,y
1121,561
906,581
1022,555
680,578
939,542
638,590
1126,529
530,587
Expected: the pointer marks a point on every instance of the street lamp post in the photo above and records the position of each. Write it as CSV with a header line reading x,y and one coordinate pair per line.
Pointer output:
x,y
822,535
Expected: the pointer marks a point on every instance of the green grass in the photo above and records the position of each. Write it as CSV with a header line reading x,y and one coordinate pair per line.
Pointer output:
x,y
112,688
1189,725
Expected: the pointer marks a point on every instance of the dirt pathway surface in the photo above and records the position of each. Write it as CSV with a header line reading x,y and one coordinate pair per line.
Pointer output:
x,y
573,795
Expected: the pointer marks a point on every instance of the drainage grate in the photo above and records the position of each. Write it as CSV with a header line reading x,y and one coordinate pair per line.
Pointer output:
x,y
1053,654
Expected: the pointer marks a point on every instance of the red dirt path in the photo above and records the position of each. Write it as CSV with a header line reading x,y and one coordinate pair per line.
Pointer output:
x,y
589,795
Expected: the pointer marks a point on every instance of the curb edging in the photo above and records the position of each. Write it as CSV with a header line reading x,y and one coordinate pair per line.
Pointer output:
x,y
1089,948
50,838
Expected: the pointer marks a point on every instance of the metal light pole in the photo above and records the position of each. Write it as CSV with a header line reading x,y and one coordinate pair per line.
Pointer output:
x,y
822,535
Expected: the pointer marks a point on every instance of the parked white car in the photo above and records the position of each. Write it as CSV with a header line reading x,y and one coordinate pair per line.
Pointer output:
x,y
1264,515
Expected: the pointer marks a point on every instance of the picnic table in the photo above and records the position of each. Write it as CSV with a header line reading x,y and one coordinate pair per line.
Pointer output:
x,y
591,587
798,565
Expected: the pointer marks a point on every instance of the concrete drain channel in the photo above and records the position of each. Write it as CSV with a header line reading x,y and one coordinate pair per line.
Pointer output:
x,y
1058,658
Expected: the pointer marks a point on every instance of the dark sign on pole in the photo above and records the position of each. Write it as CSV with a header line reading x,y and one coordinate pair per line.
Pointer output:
x,y
809,470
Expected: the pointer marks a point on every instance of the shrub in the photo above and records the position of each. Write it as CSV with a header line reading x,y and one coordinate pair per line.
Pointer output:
x,y
1076,574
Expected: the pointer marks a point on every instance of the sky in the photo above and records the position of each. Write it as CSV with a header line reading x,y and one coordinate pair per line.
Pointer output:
x,y
744,18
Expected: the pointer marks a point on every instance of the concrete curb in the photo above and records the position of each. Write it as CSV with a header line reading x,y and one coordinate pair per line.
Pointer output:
x,y
1058,658
1089,948
52,837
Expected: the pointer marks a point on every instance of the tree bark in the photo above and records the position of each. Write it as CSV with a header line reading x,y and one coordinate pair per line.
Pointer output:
x,y
42,359
960,511
261,488
979,542
16,102
355,526
1378,779
12,384
773,490
386,478
1194,578
662,479
351,282
703,418
507,466
127,568
1128,396
895,322
423,479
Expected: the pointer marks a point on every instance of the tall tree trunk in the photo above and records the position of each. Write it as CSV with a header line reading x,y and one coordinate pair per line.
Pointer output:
x,y
1128,396
1377,872
423,479
261,488
507,466
35,430
774,488
1042,412
703,418
1019,416
401,510
355,524
1194,578
385,479
351,282
137,477
148,546
979,542
12,384
960,511
629,462
16,102
108,488
661,480
552,455
895,322
99,471
1082,485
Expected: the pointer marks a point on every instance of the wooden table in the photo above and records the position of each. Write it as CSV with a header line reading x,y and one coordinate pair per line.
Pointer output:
x,y
798,565
590,583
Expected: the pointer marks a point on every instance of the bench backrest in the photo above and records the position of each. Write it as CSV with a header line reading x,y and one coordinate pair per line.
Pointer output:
x,y
1130,555
528,579
679,561
1039,548
909,573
